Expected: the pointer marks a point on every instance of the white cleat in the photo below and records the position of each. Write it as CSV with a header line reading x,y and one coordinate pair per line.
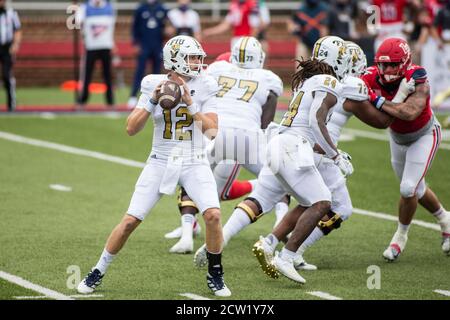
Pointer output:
x,y
396,247
301,264
176,233
445,228
264,253
183,246
217,285
90,282
286,267
200,257
84,289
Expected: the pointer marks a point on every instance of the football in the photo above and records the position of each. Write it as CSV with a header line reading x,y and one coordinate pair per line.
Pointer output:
x,y
170,95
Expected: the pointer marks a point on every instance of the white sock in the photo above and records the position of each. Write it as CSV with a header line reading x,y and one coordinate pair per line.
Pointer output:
x,y
281,209
253,183
238,221
105,260
272,241
286,254
315,236
440,214
403,228
187,225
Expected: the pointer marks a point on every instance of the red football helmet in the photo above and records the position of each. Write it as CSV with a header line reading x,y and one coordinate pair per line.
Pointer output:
x,y
393,58
226,56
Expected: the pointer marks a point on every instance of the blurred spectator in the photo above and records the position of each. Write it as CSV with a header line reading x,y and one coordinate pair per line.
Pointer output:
x,y
342,19
98,19
441,33
264,16
10,38
393,17
420,34
185,20
243,17
148,38
309,23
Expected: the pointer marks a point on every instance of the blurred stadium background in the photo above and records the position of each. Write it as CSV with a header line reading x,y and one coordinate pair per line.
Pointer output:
x,y
50,53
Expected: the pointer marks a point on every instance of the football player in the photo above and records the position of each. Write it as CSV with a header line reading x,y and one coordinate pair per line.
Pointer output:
x,y
178,156
355,101
290,158
415,135
246,105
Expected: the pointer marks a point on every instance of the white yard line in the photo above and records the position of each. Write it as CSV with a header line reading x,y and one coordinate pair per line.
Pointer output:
x,y
72,150
60,187
323,295
443,292
380,136
29,285
72,296
194,296
385,216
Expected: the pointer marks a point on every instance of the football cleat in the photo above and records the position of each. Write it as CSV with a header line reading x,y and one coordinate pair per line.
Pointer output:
x,y
396,246
263,252
446,245
216,285
183,246
285,266
200,257
176,233
301,264
91,282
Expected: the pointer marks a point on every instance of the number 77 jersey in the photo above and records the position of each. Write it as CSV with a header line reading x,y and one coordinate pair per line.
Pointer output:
x,y
242,94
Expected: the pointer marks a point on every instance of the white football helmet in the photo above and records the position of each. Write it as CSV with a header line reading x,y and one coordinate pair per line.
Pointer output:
x,y
332,50
247,53
358,64
177,54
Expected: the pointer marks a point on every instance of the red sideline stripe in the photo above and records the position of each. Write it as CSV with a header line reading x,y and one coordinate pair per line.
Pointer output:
x,y
230,181
436,142
65,108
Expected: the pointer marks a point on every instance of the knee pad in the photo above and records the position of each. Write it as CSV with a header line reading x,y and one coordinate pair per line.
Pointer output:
x,y
249,211
407,189
184,201
421,188
334,222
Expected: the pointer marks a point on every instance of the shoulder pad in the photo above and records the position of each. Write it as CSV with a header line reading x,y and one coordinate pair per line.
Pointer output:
x,y
355,89
274,83
150,82
324,82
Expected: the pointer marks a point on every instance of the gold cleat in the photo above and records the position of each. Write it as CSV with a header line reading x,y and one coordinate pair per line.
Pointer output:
x,y
265,259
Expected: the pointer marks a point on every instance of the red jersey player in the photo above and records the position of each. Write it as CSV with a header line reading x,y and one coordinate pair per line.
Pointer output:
x,y
415,135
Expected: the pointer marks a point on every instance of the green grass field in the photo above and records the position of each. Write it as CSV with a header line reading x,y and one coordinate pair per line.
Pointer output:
x,y
45,233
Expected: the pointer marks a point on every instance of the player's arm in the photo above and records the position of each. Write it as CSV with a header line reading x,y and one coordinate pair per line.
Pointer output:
x,y
269,109
207,122
321,105
412,107
146,105
365,112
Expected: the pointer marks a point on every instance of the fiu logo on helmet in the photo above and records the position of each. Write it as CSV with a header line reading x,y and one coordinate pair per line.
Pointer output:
x,y
175,48
341,52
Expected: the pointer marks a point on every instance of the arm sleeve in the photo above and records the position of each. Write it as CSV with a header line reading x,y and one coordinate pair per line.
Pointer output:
x,y
16,21
319,96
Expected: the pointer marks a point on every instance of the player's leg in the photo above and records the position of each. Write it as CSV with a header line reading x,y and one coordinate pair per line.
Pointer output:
x,y
145,196
418,158
106,59
90,59
138,75
199,183
188,210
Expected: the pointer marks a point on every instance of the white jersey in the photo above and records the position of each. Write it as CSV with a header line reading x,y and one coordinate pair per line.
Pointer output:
x,y
296,121
354,89
243,93
174,130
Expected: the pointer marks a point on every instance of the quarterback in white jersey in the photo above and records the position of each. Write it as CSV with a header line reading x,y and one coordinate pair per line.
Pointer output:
x,y
178,156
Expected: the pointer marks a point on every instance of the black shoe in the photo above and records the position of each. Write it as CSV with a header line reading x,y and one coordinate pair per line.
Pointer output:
x,y
92,281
